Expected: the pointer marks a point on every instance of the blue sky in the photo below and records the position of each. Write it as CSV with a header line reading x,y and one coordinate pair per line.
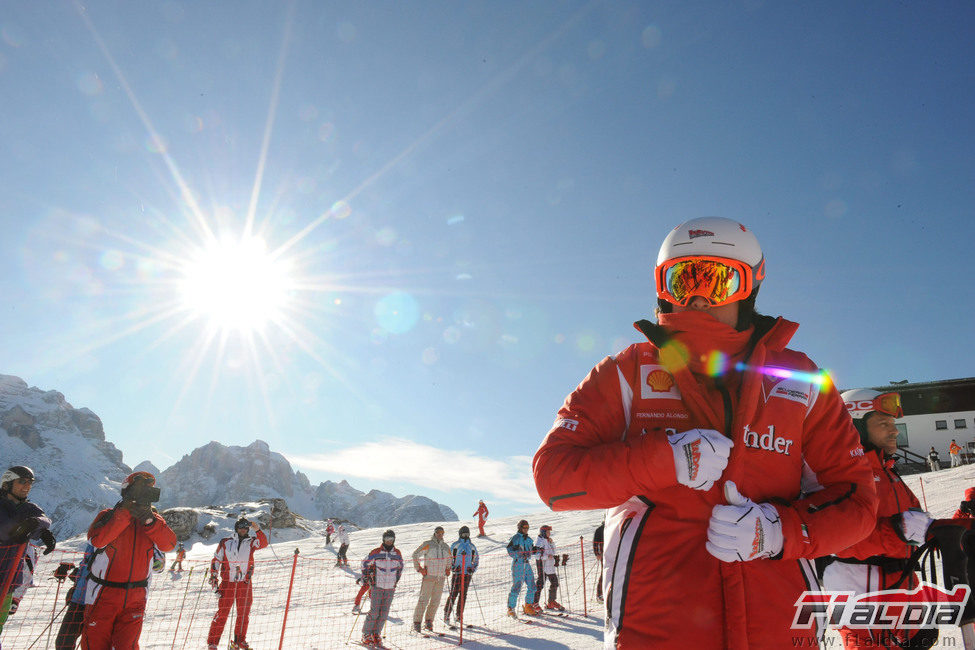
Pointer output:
x,y
463,203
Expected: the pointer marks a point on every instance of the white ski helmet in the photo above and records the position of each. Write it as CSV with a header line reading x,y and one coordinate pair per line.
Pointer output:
x,y
14,473
714,237
861,402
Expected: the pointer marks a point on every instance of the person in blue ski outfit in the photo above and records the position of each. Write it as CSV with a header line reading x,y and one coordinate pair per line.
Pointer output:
x,y
520,548
465,559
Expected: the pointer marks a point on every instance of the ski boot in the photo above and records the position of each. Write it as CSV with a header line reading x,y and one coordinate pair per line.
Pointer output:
x,y
554,605
529,609
356,610
239,645
416,626
428,625
512,613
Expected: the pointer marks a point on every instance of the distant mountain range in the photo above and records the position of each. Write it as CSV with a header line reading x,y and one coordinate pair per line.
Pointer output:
x,y
80,472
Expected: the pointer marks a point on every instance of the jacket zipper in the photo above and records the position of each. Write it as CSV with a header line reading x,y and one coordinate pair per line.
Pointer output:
x,y
726,399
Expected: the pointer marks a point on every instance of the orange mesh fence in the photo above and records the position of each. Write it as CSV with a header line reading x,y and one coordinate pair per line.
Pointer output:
x,y
305,600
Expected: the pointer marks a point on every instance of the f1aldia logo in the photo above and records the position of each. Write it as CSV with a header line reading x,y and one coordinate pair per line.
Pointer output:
x,y
928,605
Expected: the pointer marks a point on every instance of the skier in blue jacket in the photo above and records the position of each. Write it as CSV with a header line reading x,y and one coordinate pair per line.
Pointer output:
x,y
465,559
520,548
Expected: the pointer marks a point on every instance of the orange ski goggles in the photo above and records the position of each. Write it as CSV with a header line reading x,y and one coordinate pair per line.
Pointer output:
x,y
889,404
718,280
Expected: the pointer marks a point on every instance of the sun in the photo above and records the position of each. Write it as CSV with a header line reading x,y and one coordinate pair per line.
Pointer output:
x,y
236,285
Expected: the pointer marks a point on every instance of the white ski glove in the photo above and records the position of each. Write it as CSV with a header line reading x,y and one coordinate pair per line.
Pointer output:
x,y
912,525
743,530
700,455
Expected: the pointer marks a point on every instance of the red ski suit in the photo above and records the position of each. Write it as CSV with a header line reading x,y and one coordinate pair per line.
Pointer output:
x,y
119,577
234,558
794,446
876,562
481,513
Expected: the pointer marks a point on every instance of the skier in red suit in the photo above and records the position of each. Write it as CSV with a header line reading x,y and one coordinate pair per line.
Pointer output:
x,y
482,514
234,562
124,538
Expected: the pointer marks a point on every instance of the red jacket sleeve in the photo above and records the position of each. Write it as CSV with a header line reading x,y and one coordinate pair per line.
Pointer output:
x,y
108,525
261,539
160,533
844,511
584,463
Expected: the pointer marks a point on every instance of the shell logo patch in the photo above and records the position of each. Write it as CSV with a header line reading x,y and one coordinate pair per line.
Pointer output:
x,y
657,383
659,380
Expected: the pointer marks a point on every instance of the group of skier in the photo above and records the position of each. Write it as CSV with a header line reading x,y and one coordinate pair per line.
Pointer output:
x,y
434,560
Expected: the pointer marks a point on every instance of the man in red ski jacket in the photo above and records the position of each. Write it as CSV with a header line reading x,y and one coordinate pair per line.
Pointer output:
x,y
234,562
878,561
124,538
726,460
482,514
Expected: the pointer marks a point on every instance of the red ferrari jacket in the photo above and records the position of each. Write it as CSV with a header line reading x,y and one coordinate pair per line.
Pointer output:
x,y
124,548
893,497
794,446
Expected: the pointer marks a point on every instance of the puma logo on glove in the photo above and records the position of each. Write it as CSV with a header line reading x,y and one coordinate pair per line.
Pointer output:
x,y
743,530
700,455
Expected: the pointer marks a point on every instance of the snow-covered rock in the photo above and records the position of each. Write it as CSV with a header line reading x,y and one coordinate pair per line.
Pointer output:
x,y
78,471
218,474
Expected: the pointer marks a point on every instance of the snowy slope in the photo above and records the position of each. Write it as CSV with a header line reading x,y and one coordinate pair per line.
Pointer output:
x,y
319,611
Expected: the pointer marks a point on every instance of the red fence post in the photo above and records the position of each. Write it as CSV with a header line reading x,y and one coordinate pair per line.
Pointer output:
x,y
582,556
181,606
287,605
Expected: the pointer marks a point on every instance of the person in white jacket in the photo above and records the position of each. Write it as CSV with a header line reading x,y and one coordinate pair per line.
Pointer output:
x,y
436,559
545,560
343,539
383,568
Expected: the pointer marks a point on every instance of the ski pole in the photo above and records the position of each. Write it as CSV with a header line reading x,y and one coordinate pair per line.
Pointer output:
x,y
44,631
354,621
483,618
196,603
54,606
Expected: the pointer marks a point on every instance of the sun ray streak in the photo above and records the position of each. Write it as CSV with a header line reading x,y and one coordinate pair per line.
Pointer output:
x,y
268,126
185,191
465,107
259,378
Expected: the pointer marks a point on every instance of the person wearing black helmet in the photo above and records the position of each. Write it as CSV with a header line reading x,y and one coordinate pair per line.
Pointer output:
x,y
464,559
230,575
20,522
384,566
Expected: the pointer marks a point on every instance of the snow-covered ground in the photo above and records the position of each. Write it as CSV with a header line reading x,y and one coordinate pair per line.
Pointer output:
x,y
319,612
